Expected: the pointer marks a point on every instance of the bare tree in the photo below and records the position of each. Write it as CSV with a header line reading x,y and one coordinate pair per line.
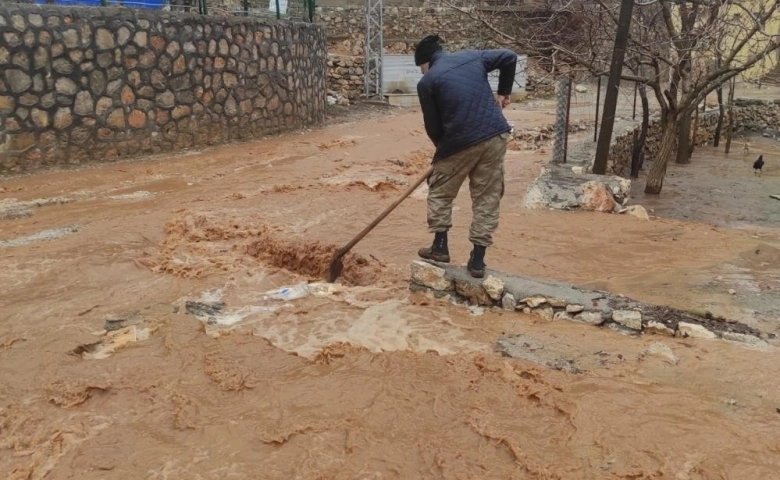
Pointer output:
x,y
637,154
675,42
721,110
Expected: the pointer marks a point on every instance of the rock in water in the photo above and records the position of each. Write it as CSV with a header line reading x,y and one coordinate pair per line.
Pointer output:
x,y
694,330
743,338
546,313
637,211
534,302
494,287
203,309
663,351
560,188
592,318
658,328
429,275
509,302
574,308
474,292
628,318
597,198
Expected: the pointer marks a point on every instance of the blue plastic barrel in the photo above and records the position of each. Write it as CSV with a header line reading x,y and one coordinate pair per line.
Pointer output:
x,y
84,3
152,4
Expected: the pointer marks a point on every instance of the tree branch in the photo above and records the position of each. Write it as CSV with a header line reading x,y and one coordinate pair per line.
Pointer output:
x,y
738,48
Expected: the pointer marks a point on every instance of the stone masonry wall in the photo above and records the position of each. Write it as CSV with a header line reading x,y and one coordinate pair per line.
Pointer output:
x,y
346,76
750,117
405,23
403,28
93,84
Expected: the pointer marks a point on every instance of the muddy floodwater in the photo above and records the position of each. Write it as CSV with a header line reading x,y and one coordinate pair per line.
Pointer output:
x,y
141,337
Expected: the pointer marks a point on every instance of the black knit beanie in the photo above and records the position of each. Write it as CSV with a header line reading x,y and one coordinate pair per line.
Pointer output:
x,y
425,49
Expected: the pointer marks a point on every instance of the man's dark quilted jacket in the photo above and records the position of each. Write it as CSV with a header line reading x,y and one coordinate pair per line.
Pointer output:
x,y
457,102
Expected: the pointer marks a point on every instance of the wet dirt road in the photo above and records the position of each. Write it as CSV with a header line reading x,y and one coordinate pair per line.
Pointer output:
x,y
362,380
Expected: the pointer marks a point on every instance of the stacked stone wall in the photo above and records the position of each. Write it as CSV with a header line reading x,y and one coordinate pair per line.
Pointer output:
x,y
405,23
403,28
751,117
93,84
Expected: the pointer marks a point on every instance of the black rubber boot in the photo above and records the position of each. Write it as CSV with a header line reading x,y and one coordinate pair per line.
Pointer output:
x,y
438,252
476,265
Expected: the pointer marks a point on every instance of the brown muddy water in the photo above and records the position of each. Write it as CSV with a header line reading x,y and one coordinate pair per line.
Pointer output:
x,y
107,373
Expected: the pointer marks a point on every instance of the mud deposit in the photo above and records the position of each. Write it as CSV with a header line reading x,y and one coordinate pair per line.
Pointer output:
x,y
312,259
196,245
146,344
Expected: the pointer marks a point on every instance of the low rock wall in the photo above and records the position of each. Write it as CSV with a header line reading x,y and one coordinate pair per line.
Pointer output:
x,y
751,117
555,301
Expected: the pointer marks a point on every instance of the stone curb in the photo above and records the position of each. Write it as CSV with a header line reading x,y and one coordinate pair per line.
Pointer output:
x,y
554,301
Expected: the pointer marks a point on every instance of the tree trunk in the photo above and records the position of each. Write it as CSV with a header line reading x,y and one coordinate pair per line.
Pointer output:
x,y
684,140
721,114
638,155
694,131
645,124
655,179
635,155
730,129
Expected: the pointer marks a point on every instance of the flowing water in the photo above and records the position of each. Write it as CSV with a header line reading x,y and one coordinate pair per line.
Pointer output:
x,y
112,369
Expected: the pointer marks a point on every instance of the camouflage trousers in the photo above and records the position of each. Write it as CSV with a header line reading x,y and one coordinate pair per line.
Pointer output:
x,y
483,164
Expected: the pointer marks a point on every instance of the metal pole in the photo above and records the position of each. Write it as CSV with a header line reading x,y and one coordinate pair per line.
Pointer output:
x,y
368,54
312,9
559,143
613,87
598,101
598,92
374,47
566,130
380,55
278,10
633,115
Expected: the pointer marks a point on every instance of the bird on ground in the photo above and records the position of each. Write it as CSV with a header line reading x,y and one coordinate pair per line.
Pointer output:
x,y
758,165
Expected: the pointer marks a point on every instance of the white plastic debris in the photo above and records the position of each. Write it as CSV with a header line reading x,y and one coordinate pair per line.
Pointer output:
x,y
286,294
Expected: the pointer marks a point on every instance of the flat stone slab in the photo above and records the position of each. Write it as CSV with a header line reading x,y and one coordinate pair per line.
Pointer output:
x,y
554,301
527,289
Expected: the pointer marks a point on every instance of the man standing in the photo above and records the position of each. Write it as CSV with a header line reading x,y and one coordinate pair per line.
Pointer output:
x,y
465,123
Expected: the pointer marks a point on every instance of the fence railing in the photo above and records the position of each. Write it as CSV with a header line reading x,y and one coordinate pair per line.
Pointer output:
x,y
296,10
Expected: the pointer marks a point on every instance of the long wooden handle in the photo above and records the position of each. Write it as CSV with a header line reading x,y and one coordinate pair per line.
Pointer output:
x,y
387,211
